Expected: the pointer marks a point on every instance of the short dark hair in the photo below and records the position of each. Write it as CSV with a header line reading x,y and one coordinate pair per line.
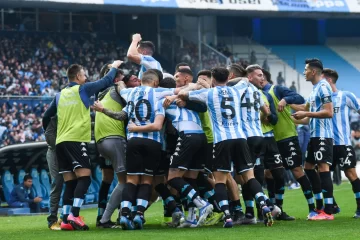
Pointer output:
x,y
149,76
104,70
27,177
73,70
148,45
205,73
157,72
237,70
267,75
167,82
220,74
315,63
185,71
182,64
252,68
126,78
331,73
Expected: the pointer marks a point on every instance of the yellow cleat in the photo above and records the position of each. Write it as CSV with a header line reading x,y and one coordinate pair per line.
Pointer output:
x,y
213,219
55,226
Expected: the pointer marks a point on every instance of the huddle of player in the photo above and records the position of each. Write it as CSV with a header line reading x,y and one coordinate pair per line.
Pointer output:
x,y
192,141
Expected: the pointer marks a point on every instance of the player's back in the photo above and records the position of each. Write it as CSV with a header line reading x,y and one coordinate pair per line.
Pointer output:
x,y
141,103
251,102
224,107
344,102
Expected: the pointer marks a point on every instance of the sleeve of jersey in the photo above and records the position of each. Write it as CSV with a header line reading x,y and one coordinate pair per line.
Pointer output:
x,y
199,95
325,94
352,102
159,109
290,96
164,92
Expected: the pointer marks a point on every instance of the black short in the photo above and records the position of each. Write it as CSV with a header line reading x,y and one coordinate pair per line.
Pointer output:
x,y
270,154
344,156
320,150
209,157
290,152
104,164
255,146
236,150
189,152
163,168
72,155
143,156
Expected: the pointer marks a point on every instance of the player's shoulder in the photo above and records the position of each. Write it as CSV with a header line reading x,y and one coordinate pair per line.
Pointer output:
x,y
348,94
148,58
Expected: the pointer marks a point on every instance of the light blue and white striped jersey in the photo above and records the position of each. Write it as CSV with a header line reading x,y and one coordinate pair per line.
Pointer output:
x,y
141,104
224,105
320,95
343,102
148,62
251,101
179,115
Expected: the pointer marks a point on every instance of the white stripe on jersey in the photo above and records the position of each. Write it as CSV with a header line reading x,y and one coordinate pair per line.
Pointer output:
x,y
148,62
343,102
141,104
320,95
223,103
251,101
176,114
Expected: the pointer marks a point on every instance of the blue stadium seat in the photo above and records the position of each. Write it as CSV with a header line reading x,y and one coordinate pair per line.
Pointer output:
x,y
7,181
20,176
45,181
39,190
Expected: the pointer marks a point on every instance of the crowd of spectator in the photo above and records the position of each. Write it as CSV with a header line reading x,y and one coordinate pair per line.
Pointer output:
x,y
20,123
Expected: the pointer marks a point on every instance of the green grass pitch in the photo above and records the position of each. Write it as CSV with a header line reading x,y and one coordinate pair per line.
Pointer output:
x,y
343,227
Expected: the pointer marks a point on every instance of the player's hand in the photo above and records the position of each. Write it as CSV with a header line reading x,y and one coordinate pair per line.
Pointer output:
x,y
169,100
180,103
299,115
136,37
37,199
282,104
116,64
98,106
183,94
203,83
131,126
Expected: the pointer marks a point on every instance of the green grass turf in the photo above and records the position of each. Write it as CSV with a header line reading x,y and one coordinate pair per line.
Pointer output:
x,y
343,227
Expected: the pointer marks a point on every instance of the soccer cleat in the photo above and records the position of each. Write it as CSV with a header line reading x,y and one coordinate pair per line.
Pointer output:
x,y
108,224
55,226
268,217
176,216
167,222
249,220
66,226
275,211
126,223
98,218
238,216
311,215
188,224
204,212
77,223
336,209
228,222
213,219
357,214
139,222
285,217
323,216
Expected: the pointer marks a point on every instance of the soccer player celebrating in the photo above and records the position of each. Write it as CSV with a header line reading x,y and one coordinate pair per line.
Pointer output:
x,y
319,109
286,135
344,153
140,52
229,141
72,106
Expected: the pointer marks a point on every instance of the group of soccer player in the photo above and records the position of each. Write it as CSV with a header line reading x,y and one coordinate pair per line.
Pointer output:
x,y
192,139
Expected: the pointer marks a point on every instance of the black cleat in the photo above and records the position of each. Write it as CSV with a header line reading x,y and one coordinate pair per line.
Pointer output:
x,y
284,217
